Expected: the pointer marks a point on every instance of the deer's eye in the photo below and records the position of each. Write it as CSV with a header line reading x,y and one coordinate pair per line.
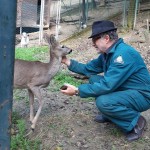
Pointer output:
x,y
62,46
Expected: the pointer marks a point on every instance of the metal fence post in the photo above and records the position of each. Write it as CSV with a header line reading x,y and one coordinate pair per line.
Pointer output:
x,y
7,47
83,12
135,13
41,22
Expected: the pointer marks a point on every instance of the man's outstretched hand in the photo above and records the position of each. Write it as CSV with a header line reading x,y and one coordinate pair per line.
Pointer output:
x,y
69,89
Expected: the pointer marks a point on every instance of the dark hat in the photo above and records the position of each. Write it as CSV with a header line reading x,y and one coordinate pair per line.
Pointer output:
x,y
99,27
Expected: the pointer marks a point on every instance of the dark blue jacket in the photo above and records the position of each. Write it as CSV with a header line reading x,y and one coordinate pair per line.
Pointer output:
x,y
123,69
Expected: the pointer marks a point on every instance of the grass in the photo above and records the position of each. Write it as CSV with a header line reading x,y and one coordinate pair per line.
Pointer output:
x,y
31,54
20,94
116,132
18,140
61,78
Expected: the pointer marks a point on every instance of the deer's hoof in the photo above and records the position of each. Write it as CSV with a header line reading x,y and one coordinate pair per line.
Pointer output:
x,y
32,129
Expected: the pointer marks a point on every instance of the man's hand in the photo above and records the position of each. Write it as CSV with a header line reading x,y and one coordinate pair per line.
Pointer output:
x,y
65,61
69,89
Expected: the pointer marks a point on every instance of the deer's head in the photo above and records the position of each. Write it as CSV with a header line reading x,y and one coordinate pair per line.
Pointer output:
x,y
55,47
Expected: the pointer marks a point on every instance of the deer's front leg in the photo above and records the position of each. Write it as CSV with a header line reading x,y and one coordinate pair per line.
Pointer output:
x,y
31,101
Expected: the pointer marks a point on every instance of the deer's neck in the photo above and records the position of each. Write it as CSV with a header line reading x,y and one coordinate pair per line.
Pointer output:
x,y
54,65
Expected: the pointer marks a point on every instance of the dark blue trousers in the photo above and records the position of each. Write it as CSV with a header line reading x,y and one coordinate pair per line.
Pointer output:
x,y
123,108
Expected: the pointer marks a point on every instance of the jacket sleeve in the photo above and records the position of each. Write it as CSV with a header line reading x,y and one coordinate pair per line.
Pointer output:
x,y
115,76
93,67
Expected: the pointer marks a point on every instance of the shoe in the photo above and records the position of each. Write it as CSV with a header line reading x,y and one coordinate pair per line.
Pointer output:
x,y
138,130
101,119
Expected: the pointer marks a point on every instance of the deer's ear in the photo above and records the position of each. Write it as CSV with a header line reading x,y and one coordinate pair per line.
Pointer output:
x,y
53,40
47,38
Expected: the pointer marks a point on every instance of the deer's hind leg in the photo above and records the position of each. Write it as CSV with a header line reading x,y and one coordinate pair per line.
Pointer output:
x,y
37,93
31,101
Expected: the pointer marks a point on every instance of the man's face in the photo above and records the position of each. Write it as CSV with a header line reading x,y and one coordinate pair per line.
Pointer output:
x,y
101,43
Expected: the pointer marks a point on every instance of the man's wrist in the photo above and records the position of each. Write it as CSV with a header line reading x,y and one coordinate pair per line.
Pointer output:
x,y
77,92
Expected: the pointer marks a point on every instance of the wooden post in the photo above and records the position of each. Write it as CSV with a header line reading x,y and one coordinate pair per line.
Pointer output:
x,y
7,48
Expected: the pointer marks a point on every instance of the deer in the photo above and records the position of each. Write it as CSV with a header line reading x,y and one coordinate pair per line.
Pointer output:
x,y
35,75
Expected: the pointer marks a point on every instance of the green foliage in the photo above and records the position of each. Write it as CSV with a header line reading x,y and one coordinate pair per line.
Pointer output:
x,y
20,94
15,117
19,141
64,77
31,54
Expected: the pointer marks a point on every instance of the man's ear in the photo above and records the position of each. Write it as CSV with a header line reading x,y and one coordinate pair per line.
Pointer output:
x,y
107,38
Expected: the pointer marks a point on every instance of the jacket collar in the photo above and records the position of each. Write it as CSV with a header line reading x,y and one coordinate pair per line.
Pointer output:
x,y
112,48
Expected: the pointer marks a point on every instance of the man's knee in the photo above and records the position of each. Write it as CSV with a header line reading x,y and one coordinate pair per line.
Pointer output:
x,y
102,103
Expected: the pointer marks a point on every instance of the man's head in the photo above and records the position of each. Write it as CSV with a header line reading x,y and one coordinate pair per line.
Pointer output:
x,y
103,35
103,26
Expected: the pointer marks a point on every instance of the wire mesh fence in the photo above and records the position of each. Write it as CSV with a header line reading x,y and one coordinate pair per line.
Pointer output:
x,y
71,17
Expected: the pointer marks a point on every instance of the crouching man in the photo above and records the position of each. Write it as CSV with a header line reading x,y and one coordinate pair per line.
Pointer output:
x,y
123,92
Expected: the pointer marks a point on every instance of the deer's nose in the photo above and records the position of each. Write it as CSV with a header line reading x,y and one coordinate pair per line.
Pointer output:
x,y
70,51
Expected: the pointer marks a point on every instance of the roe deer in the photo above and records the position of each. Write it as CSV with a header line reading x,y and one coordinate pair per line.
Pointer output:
x,y
34,75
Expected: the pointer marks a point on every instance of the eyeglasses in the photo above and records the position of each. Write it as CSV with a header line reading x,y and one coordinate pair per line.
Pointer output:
x,y
94,39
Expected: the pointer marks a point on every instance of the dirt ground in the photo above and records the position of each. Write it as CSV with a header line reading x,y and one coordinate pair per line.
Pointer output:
x,y
67,122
